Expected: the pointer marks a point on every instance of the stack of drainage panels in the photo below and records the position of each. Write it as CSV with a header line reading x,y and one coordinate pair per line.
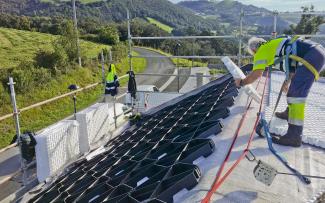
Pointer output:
x,y
152,160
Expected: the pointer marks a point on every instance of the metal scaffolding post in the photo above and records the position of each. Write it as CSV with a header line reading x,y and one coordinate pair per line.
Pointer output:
x,y
110,57
16,117
275,20
76,29
178,45
240,37
103,66
129,39
130,47
193,41
274,35
115,117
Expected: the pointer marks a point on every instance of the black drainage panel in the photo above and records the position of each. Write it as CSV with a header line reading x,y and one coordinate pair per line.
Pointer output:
x,y
209,128
181,176
196,149
152,160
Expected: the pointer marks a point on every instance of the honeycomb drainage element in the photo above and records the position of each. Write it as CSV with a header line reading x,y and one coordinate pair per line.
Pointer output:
x,y
154,160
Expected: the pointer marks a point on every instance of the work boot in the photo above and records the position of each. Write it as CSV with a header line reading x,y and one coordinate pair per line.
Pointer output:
x,y
291,138
260,129
283,115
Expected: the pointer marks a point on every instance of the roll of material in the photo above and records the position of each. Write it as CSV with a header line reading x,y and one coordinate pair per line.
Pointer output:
x,y
238,74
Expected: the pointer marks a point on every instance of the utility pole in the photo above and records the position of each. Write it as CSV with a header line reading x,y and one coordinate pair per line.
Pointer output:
x,y
129,39
76,29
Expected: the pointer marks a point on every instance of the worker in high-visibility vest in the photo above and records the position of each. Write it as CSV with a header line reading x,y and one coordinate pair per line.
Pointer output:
x,y
112,82
303,60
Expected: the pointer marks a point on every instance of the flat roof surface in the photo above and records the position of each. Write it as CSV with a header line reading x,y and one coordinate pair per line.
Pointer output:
x,y
241,185
152,159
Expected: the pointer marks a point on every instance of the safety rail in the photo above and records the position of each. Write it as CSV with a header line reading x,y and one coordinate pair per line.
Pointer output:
x,y
180,75
216,37
198,37
240,36
189,57
54,99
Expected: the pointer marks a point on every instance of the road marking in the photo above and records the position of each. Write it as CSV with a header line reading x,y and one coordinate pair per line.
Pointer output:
x,y
169,81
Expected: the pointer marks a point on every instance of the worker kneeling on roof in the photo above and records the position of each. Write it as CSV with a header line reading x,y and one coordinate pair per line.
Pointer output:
x,y
303,60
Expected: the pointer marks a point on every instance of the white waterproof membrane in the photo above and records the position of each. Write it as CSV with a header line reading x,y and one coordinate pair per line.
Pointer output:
x,y
314,126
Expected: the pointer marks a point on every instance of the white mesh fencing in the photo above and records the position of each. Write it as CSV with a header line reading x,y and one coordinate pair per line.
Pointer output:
x,y
314,128
64,141
94,125
56,146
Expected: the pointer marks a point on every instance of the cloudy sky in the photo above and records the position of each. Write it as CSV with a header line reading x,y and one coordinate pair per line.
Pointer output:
x,y
283,5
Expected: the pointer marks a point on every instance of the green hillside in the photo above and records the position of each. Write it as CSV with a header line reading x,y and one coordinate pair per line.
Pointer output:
x,y
20,46
17,46
228,11
82,1
162,26
111,11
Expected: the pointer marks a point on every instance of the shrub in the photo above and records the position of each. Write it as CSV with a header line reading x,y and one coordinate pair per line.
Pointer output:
x,y
28,77
4,96
24,80
119,52
45,59
90,37
61,58
66,44
109,35
41,77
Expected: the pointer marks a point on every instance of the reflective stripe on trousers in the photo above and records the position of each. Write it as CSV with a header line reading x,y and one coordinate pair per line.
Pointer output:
x,y
296,113
301,84
110,88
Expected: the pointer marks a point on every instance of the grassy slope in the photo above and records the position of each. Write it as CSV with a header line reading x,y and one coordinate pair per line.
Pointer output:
x,y
17,46
41,117
162,26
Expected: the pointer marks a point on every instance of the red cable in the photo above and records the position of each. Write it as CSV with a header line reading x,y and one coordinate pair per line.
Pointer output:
x,y
217,183
235,137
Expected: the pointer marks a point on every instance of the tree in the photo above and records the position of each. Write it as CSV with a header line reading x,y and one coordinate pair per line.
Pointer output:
x,y
308,23
109,35
51,60
24,23
119,51
67,42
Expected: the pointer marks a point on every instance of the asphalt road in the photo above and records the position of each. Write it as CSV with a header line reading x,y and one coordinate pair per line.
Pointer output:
x,y
9,160
155,65
158,66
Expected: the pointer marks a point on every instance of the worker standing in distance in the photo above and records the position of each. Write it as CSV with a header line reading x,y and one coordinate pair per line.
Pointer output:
x,y
303,60
112,82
